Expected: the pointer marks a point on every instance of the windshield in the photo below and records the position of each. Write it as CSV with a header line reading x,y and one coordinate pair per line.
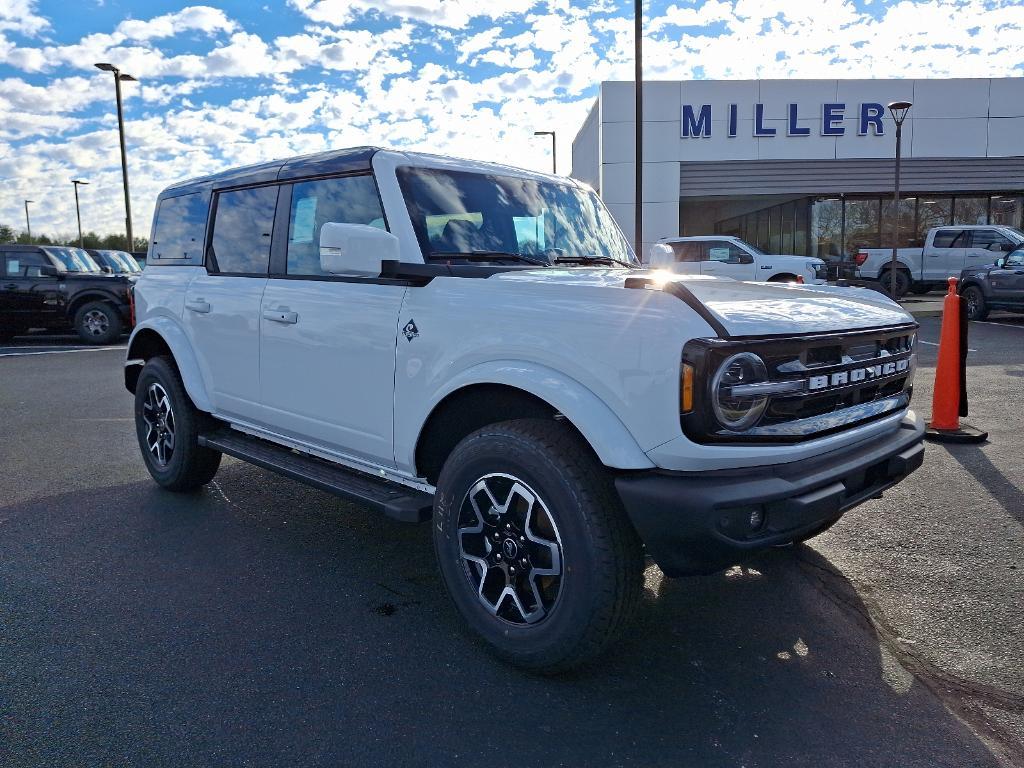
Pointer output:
x,y
122,263
1017,233
459,213
74,259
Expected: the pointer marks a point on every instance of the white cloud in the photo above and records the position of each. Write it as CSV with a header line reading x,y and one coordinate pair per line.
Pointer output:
x,y
456,14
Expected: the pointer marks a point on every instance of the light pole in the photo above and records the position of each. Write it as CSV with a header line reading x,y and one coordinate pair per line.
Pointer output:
x,y
898,110
78,213
554,158
638,56
28,224
119,76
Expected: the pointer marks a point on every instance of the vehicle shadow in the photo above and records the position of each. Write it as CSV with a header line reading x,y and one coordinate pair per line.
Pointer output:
x,y
973,459
260,622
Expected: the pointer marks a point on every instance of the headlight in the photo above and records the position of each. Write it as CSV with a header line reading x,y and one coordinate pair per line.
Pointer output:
x,y
737,403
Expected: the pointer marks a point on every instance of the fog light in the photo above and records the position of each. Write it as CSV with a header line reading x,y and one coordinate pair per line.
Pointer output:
x,y
756,519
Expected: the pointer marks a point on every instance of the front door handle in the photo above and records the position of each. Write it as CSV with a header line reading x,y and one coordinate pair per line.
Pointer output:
x,y
11,286
281,316
198,305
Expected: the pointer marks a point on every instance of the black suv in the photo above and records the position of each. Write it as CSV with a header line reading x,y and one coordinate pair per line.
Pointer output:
x,y
994,286
57,287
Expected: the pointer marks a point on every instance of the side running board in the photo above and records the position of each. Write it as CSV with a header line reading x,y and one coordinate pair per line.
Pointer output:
x,y
396,501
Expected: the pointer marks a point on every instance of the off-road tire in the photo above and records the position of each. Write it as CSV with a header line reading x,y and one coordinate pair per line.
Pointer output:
x,y
903,283
975,300
97,322
188,465
601,555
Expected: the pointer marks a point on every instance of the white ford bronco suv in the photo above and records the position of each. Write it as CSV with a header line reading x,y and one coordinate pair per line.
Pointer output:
x,y
475,345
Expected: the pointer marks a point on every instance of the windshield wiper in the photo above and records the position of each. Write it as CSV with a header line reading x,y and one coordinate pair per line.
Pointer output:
x,y
592,260
493,256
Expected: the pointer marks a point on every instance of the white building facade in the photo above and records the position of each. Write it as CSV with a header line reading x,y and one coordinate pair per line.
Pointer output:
x,y
806,166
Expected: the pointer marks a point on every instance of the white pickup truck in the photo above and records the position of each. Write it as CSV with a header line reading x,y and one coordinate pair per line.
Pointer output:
x,y
946,253
726,256
475,345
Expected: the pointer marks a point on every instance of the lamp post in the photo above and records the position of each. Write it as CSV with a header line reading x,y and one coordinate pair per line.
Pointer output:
x,y
28,224
120,77
554,159
638,57
78,213
898,110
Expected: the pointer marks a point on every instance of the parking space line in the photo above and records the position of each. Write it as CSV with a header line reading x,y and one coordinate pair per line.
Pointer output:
x,y
935,344
1002,325
58,351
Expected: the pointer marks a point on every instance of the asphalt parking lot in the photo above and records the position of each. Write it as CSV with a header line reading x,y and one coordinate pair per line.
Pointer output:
x,y
260,622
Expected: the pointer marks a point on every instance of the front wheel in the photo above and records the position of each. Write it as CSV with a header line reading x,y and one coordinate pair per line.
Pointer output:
x,y
534,546
976,308
167,425
97,323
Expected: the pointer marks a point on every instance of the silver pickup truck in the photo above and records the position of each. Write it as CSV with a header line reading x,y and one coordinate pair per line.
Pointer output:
x,y
947,251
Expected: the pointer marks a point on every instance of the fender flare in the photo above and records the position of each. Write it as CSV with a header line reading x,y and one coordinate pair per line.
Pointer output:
x,y
599,425
174,336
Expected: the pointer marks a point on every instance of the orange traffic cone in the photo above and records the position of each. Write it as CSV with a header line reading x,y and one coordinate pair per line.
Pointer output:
x,y
949,398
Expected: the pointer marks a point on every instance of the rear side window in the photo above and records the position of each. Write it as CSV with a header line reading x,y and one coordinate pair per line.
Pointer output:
x,y
689,251
347,200
180,226
25,263
950,238
242,229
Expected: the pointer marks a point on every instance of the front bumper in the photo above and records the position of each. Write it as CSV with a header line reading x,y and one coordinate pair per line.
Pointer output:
x,y
695,523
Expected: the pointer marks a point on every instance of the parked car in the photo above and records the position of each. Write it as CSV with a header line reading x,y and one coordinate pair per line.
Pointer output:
x,y
724,256
994,286
115,262
946,252
476,345
56,287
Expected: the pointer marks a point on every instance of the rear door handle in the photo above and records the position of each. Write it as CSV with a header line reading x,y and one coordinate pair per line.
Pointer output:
x,y
198,306
281,316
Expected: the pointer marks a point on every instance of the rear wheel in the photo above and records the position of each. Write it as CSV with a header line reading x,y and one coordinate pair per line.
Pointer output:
x,y
167,425
782,279
903,282
975,299
534,546
97,323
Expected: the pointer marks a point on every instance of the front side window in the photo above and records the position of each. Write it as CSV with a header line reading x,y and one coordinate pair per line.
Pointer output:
x,y
1015,259
459,214
242,229
180,227
347,200
74,260
726,252
986,238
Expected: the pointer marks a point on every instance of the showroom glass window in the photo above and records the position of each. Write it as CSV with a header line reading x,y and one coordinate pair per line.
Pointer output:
x,y
908,232
932,211
347,200
862,222
242,229
1007,210
970,210
827,228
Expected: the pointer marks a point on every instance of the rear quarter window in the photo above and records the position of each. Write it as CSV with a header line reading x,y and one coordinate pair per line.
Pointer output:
x,y
179,230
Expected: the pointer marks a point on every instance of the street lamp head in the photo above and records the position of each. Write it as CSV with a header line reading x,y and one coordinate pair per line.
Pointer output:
x,y
127,78
29,201
898,110
543,133
106,67
78,181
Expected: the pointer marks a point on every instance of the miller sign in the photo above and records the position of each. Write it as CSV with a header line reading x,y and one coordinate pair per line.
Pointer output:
x,y
696,120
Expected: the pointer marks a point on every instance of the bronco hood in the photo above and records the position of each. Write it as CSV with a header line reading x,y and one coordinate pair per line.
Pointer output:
x,y
744,309
757,309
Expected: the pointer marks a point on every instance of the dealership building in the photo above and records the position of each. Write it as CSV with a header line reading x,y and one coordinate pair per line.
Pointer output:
x,y
806,166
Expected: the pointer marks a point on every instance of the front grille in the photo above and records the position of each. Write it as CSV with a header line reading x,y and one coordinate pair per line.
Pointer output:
x,y
835,382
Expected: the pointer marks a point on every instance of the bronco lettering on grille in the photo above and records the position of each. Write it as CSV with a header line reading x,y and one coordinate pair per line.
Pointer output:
x,y
857,375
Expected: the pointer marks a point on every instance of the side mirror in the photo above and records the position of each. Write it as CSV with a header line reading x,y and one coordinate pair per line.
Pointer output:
x,y
745,258
1001,262
356,249
48,271
107,270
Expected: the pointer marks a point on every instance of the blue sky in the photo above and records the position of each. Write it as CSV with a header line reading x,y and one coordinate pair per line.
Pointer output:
x,y
227,83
